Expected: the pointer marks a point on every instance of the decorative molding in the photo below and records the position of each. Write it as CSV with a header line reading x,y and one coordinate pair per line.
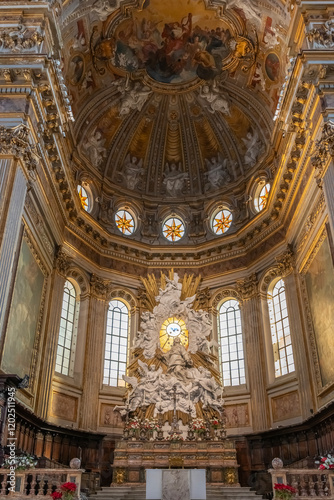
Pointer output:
x,y
322,37
20,39
310,221
286,261
248,287
315,249
100,288
62,262
224,294
123,294
324,149
14,141
39,225
80,278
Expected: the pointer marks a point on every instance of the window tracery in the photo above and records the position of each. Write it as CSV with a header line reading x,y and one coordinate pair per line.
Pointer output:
x,y
231,343
116,345
280,330
221,221
67,330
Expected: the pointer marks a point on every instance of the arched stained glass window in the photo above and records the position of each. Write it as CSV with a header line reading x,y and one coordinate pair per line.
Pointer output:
x,y
231,344
280,330
116,349
67,330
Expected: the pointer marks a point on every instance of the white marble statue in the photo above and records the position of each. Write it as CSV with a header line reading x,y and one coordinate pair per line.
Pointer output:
x,y
132,171
133,97
216,100
103,8
94,147
217,173
174,179
254,148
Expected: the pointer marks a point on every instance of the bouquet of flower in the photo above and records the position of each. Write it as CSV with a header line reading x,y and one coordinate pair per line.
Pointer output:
x,y
215,423
198,425
67,492
175,437
21,462
284,491
134,423
150,424
326,462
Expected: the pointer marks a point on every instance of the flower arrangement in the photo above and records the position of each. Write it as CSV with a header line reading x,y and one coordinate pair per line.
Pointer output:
x,y
67,492
21,462
215,423
198,425
149,424
134,423
326,462
174,437
284,491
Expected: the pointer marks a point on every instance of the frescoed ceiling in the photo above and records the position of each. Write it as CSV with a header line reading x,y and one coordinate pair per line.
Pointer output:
x,y
174,100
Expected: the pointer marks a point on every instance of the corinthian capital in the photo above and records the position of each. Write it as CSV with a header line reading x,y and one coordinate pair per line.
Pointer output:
x,y
15,141
99,287
324,148
248,287
62,261
286,261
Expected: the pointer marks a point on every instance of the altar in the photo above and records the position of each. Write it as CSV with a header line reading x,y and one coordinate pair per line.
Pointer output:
x,y
175,484
173,411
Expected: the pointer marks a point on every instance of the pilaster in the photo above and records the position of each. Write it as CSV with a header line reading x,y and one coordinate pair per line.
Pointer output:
x,y
93,365
252,327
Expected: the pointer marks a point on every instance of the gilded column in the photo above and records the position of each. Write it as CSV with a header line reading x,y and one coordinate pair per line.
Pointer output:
x,y
61,266
287,270
93,365
253,333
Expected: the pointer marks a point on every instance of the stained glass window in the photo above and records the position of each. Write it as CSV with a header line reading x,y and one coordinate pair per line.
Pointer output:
x,y
231,344
125,222
68,319
173,229
280,330
83,195
261,200
171,328
116,348
221,221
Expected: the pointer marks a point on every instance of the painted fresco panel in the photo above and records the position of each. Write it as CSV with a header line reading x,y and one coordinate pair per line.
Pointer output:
x,y
24,315
320,288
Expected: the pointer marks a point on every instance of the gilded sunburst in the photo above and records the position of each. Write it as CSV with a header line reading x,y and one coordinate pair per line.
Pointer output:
x,y
124,222
173,229
222,221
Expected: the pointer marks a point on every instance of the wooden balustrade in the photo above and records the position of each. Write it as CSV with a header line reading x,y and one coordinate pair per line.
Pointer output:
x,y
37,483
309,483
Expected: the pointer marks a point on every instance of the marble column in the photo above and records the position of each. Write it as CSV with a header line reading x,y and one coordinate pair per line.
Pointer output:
x,y
11,222
298,344
61,266
253,334
328,186
93,365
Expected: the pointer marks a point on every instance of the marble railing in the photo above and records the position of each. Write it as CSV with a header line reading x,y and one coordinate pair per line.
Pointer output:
x,y
309,483
36,483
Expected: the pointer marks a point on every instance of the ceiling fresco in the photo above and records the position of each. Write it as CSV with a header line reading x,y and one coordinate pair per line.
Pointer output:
x,y
174,101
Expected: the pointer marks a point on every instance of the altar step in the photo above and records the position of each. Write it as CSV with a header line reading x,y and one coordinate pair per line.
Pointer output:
x,y
138,493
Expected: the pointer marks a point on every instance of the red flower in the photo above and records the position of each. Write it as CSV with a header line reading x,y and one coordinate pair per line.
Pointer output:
x,y
69,487
322,467
331,466
285,487
323,459
56,495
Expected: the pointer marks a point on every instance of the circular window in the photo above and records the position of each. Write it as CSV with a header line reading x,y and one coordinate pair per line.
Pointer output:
x,y
173,229
171,329
124,222
83,195
221,221
261,199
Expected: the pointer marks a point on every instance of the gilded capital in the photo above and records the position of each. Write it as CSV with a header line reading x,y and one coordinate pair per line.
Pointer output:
x,y
15,141
248,287
99,287
286,261
324,148
62,261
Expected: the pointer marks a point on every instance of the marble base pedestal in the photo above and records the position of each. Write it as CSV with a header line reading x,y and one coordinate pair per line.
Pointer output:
x,y
175,484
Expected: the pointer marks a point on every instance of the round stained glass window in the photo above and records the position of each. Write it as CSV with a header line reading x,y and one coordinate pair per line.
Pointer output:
x,y
171,329
261,200
83,195
124,222
173,229
221,221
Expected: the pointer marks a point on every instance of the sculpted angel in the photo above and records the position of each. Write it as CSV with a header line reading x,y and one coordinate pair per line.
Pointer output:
x,y
132,171
174,179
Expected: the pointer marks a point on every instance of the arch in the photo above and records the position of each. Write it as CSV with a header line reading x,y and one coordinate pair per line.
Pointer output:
x,y
221,295
125,295
79,280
